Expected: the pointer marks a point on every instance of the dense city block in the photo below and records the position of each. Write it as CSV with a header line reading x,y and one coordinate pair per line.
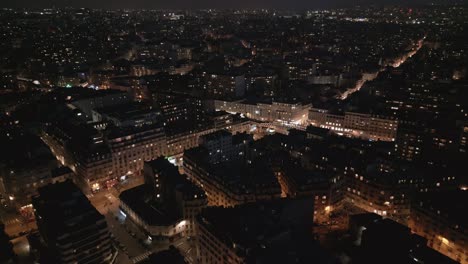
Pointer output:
x,y
234,136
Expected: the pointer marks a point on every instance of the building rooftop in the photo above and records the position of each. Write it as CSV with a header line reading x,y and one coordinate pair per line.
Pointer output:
x,y
79,94
189,190
382,235
127,111
237,175
317,132
65,208
216,135
303,177
168,256
448,205
60,171
139,200
19,146
241,138
268,232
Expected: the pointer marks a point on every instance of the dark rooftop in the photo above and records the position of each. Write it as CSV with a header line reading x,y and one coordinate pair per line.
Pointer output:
x,y
138,199
181,182
216,135
267,232
127,111
65,208
449,205
239,176
169,256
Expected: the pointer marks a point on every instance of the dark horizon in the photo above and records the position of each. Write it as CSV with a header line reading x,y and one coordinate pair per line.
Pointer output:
x,y
204,4
248,131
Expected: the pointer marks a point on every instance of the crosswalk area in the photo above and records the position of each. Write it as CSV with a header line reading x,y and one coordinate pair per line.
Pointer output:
x,y
183,247
141,257
11,221
186,250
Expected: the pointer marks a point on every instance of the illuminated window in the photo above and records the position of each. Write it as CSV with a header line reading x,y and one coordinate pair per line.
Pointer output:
x,y
444,240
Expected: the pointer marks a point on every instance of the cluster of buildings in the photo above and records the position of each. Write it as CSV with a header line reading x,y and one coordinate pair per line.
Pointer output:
x,y
270,112
359,125
263,136
337,175
27,164
373,236
171,206
440,219
70,229
275,231
6,247
166,205
228,175
299,115
110,138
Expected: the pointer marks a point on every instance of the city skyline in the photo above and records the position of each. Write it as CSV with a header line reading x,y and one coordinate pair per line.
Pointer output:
x,y
207,4
220,136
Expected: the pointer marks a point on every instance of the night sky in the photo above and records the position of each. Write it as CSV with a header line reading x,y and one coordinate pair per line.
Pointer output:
x,y
194,4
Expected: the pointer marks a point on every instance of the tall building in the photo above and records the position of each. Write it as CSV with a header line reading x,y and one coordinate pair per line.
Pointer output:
x,y
101,158
278,231
129,115
441,218
171,255
324,187
166,205
357,125
174,190
132,146
72,230
223,146
463,147
225,85
381,240
288,113
6,247
25,165
177,108
221,167
104,98
83,150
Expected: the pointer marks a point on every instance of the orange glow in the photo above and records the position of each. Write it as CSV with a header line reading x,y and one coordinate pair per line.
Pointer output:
x,y
444,240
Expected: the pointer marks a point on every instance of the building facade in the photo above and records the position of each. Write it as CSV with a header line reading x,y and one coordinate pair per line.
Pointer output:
x,y
283,113
357,125
72,230
441,219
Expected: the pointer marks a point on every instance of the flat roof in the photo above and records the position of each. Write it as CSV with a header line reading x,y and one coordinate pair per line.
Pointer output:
x,y
138,200
268,232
